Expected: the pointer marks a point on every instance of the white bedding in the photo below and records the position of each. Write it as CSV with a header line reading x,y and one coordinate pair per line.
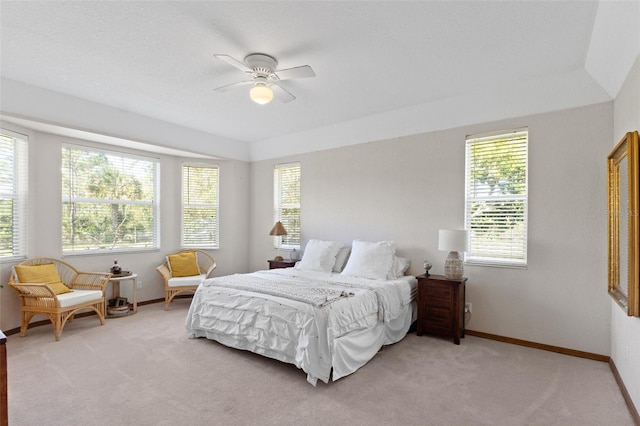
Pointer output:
x,y
339,335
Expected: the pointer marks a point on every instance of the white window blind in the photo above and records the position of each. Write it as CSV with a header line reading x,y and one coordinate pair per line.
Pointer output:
x,y
286,190
109,201
200,206
496,198
13,195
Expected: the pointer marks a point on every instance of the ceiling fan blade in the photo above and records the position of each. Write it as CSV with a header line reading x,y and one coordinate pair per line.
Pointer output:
x,y
296,72
232,86
233,62
282,94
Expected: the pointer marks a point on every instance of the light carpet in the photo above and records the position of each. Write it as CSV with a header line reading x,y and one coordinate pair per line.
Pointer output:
x,y
143,370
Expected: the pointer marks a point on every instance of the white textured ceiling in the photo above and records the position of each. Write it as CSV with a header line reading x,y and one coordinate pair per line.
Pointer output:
x,y
372,59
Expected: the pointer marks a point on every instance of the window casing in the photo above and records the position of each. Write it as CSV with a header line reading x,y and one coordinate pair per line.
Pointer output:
x,y
14,188
109,201
286,203
496,201
200,206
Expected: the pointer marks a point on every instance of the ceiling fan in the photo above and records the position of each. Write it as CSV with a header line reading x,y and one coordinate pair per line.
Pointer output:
x,y
264,76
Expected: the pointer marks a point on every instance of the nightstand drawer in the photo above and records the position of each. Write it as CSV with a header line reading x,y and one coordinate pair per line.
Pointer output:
x,y
438,295
438,320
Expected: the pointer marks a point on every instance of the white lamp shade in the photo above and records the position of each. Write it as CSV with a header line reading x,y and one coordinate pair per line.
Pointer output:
x,y
452,240
261,94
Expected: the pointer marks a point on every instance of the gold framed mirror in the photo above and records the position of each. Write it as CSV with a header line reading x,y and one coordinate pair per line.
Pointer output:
x,y
624,221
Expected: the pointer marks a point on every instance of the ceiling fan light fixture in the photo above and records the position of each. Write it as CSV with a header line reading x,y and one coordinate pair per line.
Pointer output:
x,y
261,94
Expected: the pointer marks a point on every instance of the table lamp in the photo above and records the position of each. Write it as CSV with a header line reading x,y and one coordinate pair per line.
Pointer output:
x,y
278,231
453,241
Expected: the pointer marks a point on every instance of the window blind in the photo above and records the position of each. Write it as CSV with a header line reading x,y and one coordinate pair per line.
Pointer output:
x,y
13,195
200,206
286,180
496,198
109,201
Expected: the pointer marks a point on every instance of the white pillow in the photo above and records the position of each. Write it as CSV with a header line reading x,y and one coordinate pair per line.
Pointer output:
x,y
370,260
341,259
319,256
400,266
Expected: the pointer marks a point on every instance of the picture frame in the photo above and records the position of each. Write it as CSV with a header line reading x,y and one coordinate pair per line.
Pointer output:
x,y
624,224
121,301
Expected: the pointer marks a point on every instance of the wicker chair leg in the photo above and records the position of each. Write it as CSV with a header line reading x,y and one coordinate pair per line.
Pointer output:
x,y
26,317
99,308
168,297
23,325
171,294
58,324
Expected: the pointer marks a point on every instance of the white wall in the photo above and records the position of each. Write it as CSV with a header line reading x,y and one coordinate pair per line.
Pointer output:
x,y
625,331
407,188
30,102
45,218
403,189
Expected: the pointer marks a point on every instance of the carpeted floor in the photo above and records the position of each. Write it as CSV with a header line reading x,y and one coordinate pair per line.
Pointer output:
x,y
143,370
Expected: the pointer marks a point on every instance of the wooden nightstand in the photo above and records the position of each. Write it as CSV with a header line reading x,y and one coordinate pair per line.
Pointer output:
x,y
277,264
441,306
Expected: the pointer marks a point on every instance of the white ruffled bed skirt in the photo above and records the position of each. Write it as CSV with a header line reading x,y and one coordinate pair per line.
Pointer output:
x,y
326,342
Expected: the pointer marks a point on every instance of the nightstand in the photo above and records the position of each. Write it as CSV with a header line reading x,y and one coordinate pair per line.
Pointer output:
x,y
441,306
277,264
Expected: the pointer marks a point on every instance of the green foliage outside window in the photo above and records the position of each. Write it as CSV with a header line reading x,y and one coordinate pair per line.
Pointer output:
x,y
286,180
6,227
108,201
13,194
200,200
6,195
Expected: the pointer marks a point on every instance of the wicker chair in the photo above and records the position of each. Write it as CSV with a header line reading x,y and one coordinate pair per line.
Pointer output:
x,y
176,285
40,299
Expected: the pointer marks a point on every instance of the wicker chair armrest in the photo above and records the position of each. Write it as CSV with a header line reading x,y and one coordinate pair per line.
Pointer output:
x,y
205,260
39,290
91,281
164,272
210,270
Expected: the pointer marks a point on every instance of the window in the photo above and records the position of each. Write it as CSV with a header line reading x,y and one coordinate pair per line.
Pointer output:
x,y
496,198
286,203
200,219
13,195
109,201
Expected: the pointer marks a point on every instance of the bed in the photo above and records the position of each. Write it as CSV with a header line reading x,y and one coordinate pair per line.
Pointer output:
x,y
329,315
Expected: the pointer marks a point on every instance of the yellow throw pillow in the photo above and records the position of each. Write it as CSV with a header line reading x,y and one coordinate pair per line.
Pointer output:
x,y
46,273
183,264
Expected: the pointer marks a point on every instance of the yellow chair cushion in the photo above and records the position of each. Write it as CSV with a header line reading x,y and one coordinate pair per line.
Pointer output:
x,y
183,264
46,273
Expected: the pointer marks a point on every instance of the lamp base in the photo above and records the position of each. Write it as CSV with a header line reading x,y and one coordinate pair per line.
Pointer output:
x,y
453,266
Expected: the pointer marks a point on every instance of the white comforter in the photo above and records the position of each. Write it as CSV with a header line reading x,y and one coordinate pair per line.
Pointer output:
x,y
244,312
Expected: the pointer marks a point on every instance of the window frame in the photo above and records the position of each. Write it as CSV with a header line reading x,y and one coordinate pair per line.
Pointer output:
x,y
294,234
512,260
19,194
216,205
153,203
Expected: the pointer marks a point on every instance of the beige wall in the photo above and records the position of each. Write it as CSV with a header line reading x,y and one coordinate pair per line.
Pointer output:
x,y
403,189
625,331
45,218
406,188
